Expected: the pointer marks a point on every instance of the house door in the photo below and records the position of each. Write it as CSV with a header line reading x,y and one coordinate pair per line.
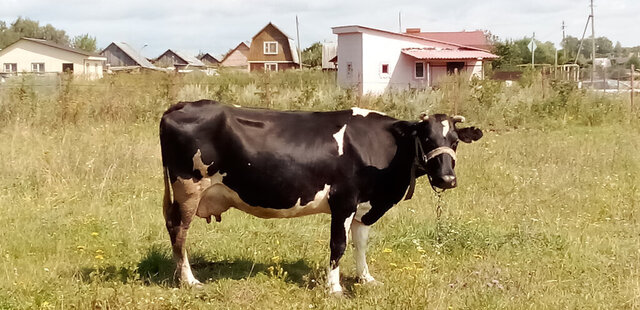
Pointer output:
x,y
67,68
455,67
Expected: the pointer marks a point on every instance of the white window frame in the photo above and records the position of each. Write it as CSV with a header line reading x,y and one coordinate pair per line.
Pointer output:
x,y
37,67
269,66
266,47
415,72
7,66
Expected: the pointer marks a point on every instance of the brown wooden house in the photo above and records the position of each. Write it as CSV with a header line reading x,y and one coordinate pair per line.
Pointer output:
x,y
178,61
237,57
271,49
209,60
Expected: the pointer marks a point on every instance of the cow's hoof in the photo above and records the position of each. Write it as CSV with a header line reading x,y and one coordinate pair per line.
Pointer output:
x,y
192,284
370,281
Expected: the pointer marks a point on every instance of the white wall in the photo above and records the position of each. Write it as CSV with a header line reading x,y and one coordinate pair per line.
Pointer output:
x,y
24,53
350,52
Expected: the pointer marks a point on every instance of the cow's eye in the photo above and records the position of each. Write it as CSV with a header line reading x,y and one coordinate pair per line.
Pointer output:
x,y
454,145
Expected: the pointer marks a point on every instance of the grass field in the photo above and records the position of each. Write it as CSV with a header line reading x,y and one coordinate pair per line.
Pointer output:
x,y
546,215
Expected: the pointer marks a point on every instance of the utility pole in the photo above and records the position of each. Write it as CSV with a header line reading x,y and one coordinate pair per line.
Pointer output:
x,y
299,50
533,50
399,21
593,47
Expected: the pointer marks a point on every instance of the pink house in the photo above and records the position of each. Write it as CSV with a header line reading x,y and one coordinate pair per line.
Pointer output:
x,y
374,61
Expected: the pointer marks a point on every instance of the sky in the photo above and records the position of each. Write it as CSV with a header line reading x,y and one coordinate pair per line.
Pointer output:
x,y
213,26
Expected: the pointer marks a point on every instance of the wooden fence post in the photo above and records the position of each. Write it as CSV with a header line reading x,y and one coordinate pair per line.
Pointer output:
x,y
633,68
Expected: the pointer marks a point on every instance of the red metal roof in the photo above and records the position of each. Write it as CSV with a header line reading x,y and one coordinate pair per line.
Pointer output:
x,y
424,53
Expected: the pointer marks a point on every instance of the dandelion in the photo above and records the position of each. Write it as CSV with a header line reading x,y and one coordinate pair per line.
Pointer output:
x,y
95,233
99,256
387,250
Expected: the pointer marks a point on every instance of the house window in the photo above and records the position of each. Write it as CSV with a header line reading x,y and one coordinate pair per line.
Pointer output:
x,y
37,66
419,70
271,67
384,69
455,67
10,67
270,48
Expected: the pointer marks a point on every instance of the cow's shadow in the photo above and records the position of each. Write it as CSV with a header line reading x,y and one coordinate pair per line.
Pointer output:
x,y
157,267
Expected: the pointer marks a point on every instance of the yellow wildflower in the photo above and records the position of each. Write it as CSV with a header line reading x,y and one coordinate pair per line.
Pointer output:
x,y
387,250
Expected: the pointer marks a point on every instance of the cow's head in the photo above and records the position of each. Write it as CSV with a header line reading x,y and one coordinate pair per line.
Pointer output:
x,y
436,142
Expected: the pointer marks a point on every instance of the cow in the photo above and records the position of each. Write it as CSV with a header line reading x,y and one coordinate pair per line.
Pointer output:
x,y
353,164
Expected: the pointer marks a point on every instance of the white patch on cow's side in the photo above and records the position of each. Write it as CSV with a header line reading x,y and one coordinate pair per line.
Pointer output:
x,y
199,165
360,236
333,280
339,137
218,198
445,128
364,112
362,209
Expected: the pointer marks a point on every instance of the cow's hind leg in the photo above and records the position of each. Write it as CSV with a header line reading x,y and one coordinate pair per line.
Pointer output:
x,y
178,216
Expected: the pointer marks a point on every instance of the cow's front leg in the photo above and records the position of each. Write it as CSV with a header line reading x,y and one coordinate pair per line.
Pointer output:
x,y
360,236
340,224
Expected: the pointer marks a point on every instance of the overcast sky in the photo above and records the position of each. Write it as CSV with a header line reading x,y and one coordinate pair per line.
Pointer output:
x,y
216,26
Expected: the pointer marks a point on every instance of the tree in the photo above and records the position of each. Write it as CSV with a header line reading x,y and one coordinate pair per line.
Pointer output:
x,y
634,60
312,55
85,42
24,27
618,50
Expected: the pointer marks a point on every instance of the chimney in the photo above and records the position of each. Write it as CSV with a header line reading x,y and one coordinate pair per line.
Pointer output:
x,y
413,30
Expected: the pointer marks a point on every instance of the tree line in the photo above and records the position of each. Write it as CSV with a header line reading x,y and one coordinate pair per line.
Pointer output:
x,y
25,27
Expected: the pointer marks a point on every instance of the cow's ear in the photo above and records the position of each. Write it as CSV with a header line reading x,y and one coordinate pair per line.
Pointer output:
x,y
469,134
403,129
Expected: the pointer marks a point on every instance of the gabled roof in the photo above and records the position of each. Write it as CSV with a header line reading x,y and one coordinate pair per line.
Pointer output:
x,y
274,26
190,60
58,46
203,56
233,50
357,28
469,38
131,52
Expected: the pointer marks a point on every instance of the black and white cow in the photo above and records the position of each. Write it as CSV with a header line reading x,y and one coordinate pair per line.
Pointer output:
x,y
354,164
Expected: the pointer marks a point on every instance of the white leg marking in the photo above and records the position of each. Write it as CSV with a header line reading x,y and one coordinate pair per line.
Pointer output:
x,y
364,112
339,136
186,275
333,280
347,226
360,236
363,209
445,128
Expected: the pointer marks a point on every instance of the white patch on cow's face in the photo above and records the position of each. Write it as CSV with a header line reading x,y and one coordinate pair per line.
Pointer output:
x,y
445,128
364,112
199,165
339,137
362,209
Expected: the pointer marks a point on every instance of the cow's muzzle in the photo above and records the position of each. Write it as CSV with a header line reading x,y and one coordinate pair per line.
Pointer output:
x,y
443,181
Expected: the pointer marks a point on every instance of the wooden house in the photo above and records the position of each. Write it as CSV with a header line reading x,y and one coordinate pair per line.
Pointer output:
x,y
122,56
273,50
209,60
237,57
179,61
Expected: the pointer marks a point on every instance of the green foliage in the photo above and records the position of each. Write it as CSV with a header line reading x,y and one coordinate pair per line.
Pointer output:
x,y
24,27
312,55
84,42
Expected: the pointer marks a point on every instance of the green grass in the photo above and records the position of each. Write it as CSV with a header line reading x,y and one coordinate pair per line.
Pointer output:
x,y
545,216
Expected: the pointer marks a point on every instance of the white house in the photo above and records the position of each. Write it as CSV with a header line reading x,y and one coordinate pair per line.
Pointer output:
x,y
29,55
374,61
